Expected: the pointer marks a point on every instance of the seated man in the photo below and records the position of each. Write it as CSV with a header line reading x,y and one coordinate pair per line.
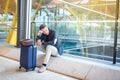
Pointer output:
x,y
49,41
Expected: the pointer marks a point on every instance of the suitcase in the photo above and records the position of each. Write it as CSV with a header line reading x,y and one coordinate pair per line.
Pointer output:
x,y
28,57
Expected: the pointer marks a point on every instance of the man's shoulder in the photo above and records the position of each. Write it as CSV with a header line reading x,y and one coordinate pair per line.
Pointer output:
x,y
52,31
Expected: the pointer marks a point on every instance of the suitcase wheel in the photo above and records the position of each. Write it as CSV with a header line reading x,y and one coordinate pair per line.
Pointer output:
x,y
20,67
26,70
33,69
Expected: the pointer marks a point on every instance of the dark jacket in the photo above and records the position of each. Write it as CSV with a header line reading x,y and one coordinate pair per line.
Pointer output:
x,y
50,40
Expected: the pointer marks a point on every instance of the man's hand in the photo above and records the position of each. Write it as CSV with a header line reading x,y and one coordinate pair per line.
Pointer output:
x,y
39,43
39,33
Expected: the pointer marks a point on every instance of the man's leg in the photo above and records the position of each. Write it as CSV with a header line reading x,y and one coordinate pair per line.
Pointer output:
x,y
50,50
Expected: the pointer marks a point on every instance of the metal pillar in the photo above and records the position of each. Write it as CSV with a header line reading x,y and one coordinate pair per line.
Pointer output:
x,y
116,32
24,17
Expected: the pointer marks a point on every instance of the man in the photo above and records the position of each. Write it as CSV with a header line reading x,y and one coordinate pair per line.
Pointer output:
x,y
48,40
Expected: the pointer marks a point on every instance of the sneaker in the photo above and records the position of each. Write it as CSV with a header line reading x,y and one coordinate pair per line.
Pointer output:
x,y
42,69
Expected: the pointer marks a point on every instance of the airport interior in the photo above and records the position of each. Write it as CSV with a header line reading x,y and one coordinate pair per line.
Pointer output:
x,y
89,32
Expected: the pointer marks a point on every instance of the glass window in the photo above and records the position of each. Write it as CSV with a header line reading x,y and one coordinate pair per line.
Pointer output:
x,y
86,27
7,10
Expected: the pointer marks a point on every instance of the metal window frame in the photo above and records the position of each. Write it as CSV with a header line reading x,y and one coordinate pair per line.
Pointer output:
x,y
24,17
116,31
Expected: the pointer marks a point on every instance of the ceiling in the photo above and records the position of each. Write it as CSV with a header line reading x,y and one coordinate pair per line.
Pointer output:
x,y
96,5
11,7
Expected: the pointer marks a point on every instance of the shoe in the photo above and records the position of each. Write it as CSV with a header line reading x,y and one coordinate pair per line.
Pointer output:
x,y
42,69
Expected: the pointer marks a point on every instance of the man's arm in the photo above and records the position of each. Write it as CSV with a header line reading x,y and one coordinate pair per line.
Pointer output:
x,y
39,38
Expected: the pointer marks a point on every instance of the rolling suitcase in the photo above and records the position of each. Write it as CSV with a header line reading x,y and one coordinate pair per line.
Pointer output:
x,y
28,57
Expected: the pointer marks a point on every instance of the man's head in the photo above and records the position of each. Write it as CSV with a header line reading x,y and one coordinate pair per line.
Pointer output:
x,y
44,29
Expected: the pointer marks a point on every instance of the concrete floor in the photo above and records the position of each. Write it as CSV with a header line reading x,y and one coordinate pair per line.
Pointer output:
x,y
77,68
9,71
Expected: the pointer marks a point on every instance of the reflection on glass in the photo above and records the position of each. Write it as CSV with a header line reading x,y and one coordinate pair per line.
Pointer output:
x,y
7,9
86,27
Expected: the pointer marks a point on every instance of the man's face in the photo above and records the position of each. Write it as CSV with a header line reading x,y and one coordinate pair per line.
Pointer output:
x,y
45,31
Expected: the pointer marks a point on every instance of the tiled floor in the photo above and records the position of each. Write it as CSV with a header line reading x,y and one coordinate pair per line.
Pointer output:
x,y
9,71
